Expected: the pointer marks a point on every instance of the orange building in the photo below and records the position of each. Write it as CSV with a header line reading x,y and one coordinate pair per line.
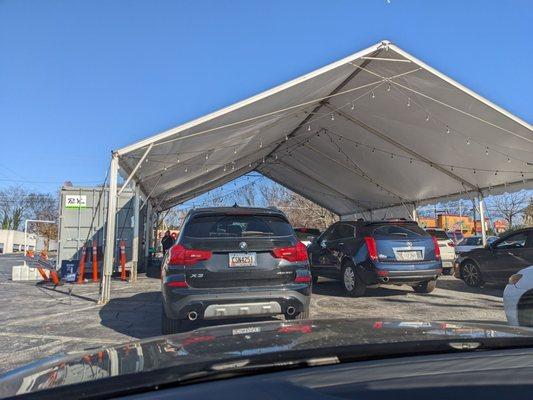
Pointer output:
x,y
453,222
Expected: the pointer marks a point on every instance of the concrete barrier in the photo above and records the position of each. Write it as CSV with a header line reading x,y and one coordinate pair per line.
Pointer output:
x,y
25,273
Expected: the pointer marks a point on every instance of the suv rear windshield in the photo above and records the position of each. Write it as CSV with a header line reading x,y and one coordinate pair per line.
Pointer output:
x,y
440,235
387,231
231,226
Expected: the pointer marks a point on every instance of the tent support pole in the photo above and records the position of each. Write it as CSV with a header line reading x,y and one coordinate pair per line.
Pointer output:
x,y
135,242
109,250
482,218
136,168
415,213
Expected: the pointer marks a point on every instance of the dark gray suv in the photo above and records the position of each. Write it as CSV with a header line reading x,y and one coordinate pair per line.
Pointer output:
x,y
234,262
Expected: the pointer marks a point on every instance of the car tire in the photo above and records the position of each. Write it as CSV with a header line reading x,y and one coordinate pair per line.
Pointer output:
x,y
170,325
525,309
351,282
425,287
471,274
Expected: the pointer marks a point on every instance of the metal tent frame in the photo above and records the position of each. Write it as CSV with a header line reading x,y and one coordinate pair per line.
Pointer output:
x,y
376,133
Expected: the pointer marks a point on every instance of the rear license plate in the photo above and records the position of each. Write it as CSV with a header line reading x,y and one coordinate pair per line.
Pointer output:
x,y
409,255
242,260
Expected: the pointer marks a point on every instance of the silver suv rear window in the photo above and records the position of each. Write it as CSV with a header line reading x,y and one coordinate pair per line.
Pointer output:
x,y
231,226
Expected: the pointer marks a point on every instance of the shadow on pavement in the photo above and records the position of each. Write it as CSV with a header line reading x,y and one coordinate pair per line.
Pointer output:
x,y
139,316
459,286
334,288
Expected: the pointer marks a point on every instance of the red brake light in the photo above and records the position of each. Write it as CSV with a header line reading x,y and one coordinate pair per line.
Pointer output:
x,y
372,248
296,329
182,284
378,325
181,255
292,253
437,248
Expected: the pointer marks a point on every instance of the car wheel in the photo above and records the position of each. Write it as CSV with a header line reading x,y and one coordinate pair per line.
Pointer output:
x,y
351,283
425,287
170,325
525,310
471,274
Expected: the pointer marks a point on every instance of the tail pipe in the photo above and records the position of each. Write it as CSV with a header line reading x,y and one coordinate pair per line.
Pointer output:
x,y
291,310
192,315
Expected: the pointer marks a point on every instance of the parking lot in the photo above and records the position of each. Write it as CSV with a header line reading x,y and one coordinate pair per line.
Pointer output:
x,y
40,320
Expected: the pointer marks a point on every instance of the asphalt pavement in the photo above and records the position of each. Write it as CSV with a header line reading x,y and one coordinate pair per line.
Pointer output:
x,y
40,320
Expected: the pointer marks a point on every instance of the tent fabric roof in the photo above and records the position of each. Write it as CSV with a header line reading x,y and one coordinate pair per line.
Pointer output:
x,y
374,131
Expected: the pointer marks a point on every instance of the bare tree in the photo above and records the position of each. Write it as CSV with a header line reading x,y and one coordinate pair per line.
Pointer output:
x,y
44,207
528,213
510,205
13,207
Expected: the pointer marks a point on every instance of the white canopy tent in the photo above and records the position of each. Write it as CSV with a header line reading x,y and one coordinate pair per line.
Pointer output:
x,y
375,134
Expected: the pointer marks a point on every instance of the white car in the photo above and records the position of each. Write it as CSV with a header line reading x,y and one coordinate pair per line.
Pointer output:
x,y
518,298
447,249
471,243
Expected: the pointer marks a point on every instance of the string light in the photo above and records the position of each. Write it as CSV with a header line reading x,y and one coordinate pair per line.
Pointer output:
x,y
373,95
332,117
408,102
427,117
353,106
233,167
286,137
388,87
186,170
234,150
509,160
224,168
447,129
468,141
275,156
487,151
178,160
207,156
263,159
308,127
260,143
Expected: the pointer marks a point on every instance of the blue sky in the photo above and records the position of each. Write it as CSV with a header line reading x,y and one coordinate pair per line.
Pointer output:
x,y
80,78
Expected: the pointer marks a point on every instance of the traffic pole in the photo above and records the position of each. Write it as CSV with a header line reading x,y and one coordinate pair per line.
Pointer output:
x,y
123,260
81,269
95,259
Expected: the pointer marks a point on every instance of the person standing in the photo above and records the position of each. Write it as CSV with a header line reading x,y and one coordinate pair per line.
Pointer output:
x,y
167,242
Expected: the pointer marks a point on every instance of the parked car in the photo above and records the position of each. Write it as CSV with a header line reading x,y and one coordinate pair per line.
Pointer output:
x,y
456,236
447,249
362,254
518,298
306,235
472,242
234,262
498,261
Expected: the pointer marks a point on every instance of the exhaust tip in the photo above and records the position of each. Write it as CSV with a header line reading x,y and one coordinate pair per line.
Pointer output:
x,y
193,315
291,310
384,279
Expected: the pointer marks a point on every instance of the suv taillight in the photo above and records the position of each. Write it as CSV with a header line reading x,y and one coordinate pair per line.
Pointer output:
x,y
179,255
437,248
372,248
292,253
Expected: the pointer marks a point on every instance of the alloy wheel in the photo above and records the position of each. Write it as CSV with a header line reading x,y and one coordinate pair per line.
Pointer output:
x,y
471,274
349,279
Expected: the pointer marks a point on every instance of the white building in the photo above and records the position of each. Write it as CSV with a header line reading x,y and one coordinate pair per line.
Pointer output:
x,y
13,242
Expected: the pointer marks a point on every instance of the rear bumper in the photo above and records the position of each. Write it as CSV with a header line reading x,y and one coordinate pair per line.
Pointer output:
x,y
410,276
236,303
